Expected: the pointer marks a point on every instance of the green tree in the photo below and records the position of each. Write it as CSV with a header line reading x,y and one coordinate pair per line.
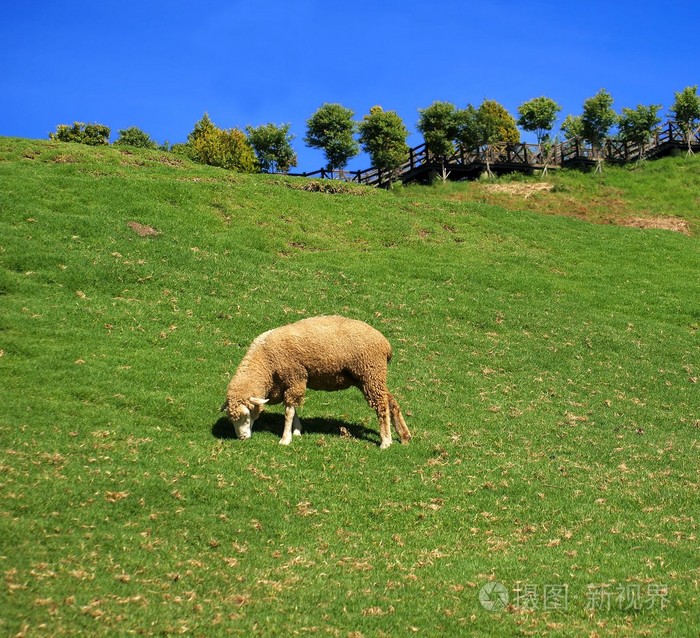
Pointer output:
x,y
686,111
484,127
134,136
474,130
383,137
538,116
273,147
201,129
572,127
598,118
439,124
637,125
331,129
90,134
228,149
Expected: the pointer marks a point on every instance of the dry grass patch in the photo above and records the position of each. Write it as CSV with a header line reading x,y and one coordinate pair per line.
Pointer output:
x,y
520,189
604,205
676,224
142,230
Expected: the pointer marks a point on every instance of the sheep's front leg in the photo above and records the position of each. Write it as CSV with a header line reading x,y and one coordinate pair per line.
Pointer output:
x,y
292,425
289,418
293,396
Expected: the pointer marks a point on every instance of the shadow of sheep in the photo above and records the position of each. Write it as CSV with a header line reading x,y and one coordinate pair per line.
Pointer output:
x,y
271,423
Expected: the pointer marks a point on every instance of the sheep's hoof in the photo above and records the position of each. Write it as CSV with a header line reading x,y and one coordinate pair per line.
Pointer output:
x,y
384,445
285,441
297,433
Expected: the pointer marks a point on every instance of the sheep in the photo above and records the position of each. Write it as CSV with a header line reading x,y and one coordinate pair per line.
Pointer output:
x,y
321,353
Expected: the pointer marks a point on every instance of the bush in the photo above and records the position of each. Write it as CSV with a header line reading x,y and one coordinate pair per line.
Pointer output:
x,y
229,149
134,136
91,134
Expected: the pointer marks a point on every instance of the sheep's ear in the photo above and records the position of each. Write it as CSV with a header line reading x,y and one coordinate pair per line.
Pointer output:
x,y
258,401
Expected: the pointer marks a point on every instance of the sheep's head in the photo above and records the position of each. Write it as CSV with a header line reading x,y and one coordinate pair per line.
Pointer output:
x,y
243,414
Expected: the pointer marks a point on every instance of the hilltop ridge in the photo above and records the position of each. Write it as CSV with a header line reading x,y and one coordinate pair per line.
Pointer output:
x,y
660,193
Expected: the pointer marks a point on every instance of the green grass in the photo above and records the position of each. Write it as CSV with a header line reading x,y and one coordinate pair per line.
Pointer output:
x,y
547,368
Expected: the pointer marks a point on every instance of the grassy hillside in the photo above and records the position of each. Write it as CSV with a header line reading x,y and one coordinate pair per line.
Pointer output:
x,y
547,367
659,194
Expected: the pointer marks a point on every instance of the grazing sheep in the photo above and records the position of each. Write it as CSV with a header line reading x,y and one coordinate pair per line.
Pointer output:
x,y
320,353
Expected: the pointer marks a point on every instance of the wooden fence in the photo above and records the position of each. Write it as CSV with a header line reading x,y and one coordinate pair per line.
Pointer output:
x,y
510,158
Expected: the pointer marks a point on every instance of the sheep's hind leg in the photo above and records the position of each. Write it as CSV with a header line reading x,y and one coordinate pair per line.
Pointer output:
x,y
378,399
384,427
296,426
398,420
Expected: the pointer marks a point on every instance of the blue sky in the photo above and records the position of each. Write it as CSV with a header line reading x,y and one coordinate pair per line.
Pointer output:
x,y
160,65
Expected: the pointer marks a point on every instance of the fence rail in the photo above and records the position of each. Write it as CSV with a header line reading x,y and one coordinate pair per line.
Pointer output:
x,y
508,158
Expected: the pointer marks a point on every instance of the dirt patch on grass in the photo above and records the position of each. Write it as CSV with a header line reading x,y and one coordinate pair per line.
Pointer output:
x,y
142,230
675,224
64,159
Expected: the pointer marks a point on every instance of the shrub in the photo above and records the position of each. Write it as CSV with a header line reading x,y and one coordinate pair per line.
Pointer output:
x,y
134,136
228,149
91,134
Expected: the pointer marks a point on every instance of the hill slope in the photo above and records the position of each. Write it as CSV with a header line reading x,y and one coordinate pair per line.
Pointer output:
x,y
656,194
547,367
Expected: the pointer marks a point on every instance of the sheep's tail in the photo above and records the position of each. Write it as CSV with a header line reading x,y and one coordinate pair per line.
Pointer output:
x,y
398,420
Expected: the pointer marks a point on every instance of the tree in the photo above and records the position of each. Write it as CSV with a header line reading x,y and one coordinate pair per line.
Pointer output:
x,y
228,149
134,136
572,127
538,116
273,147
201,129
597,119
90,134
686,111
637,125
331,129
439,125
383,137
469,133
483,127
500,124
